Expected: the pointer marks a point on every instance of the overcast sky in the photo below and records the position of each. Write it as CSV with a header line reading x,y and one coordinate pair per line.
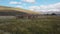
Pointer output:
x,y
37,5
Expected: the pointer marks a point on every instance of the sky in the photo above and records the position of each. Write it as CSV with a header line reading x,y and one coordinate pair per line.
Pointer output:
x,y
34,5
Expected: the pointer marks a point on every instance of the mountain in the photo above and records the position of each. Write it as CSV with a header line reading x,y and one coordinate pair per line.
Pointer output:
x,y
12,9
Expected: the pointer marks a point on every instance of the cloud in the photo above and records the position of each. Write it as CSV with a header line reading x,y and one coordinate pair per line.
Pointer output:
x,y
14,2
29,1
18,6
34,7
51,7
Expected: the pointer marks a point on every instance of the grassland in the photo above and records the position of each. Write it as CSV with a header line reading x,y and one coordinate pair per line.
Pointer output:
x,y
42,25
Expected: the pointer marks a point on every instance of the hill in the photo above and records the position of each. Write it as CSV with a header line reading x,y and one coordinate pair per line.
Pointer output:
x,y
5,8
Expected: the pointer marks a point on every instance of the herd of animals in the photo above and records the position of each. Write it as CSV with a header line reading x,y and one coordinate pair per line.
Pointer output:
x,y
29,16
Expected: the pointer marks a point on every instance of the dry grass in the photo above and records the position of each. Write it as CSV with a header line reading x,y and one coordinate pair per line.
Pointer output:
x,y
45,25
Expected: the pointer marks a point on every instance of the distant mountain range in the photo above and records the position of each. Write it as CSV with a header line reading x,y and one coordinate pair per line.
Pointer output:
x,y
49,12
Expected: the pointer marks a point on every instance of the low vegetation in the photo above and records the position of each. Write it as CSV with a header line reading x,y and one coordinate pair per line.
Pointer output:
x,y
42,25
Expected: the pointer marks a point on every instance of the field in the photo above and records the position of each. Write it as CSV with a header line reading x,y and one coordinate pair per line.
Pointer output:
x,y
42,25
